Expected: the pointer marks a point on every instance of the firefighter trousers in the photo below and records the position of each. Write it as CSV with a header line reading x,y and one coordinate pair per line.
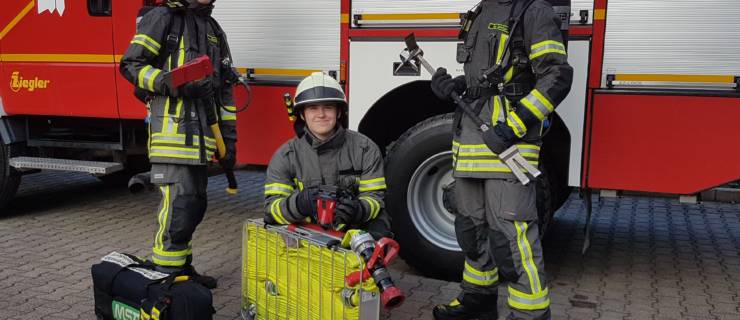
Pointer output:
x,y
183,205
496,227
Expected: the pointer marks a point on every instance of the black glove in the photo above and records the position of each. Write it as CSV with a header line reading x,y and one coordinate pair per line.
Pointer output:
x,y
229,159
443,84
348,212
305,201
196,89
504,131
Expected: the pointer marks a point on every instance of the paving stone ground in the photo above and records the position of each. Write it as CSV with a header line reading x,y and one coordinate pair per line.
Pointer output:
x,y
651,258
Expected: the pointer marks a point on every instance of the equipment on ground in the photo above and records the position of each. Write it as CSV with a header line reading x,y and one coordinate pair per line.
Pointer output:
x,y
126,287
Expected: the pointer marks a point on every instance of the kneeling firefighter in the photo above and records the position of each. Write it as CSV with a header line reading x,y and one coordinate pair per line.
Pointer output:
x,y
326,157
181,140
514,78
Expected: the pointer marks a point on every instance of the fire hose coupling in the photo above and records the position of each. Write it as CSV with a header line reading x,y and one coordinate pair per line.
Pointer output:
x,y
376,257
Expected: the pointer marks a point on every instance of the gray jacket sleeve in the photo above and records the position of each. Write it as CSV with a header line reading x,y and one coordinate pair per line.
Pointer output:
x,y
281,189
544,44
372,182
146,46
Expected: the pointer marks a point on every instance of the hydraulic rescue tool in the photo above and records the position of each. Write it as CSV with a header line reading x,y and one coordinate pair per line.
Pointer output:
x,y
511,156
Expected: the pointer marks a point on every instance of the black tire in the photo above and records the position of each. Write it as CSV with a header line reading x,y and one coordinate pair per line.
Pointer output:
x,y
414,148
9,177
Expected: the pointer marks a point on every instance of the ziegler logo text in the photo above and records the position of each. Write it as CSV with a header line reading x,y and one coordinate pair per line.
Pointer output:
x,y
17,83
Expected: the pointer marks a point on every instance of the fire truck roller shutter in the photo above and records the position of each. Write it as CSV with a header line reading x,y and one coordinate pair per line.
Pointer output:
x,y
417,169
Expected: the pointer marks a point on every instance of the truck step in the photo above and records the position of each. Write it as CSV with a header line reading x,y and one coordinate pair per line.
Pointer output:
x,y
94,167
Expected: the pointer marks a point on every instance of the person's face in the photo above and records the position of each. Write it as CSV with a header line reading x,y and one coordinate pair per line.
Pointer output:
x,y
321,118
204,2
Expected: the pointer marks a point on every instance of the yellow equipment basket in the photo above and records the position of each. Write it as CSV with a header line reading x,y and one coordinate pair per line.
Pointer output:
x,y
299,274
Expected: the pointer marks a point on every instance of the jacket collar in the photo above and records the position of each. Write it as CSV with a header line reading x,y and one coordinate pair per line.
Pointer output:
x,y
335,141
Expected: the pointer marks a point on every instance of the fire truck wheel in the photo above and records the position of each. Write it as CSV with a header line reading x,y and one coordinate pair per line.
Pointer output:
x,y
417,167
9,177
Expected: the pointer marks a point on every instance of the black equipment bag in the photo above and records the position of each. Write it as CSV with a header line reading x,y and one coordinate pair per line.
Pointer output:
x,y
126,287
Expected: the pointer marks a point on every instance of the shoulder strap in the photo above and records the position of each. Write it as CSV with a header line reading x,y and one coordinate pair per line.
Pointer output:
x,y
514,20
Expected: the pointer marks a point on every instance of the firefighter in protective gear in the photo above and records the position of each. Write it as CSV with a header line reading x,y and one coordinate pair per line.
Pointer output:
x,y
513,88
325,153
181,142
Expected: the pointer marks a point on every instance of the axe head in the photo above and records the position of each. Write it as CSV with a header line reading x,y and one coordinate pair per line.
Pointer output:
x,y
411,44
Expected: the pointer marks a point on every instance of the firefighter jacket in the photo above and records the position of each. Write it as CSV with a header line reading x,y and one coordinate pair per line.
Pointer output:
x,y
180,130
348,160
534,79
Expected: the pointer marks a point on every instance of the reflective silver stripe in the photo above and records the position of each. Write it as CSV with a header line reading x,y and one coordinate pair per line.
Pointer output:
x,y
481,278
180,140
537,104
372,184
526,301
279,187
148,40
545,47
527,261
146,81
177,152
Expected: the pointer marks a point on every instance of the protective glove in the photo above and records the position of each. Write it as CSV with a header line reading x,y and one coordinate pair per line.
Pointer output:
x,y
498,139
443,84
306,201
196,89
349,211
504,131
229,160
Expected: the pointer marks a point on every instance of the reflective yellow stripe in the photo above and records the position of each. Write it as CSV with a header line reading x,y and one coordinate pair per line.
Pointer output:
x,y
373,184
16,19
675,78
500,51
149,39
545,47
516,124
478,277
278,189
522,301
525,251
162,216
509,74
146,46
276,212
542,99
142,76
180,253
153,76
374,206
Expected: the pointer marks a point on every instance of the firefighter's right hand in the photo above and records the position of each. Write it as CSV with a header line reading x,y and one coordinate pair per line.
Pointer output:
x,y
443,84
196,89
305,201
348,213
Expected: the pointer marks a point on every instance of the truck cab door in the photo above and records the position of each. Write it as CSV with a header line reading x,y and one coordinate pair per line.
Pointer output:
x,y
124,27
57,56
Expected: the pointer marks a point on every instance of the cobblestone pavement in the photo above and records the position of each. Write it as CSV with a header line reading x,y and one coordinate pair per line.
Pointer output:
x,y
651,258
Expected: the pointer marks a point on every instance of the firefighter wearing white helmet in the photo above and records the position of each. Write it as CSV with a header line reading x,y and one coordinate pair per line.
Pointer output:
x,y
181,143
325,155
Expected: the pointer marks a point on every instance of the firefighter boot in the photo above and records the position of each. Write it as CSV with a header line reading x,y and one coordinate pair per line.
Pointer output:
x,y
468,307
188,270
206,281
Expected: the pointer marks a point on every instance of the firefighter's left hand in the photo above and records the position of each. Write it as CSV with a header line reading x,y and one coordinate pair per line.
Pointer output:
x,y
504,131
229,160
348,212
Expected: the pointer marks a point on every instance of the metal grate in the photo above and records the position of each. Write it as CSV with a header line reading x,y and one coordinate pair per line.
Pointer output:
x,y
300,275
94,167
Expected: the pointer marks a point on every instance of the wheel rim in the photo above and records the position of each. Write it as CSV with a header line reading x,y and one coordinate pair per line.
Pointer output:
x,y
425,205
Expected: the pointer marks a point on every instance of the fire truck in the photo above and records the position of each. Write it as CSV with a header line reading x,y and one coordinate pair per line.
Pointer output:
x,y
655,96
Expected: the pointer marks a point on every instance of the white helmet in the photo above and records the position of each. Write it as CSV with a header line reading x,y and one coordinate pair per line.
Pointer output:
x,y
319,88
